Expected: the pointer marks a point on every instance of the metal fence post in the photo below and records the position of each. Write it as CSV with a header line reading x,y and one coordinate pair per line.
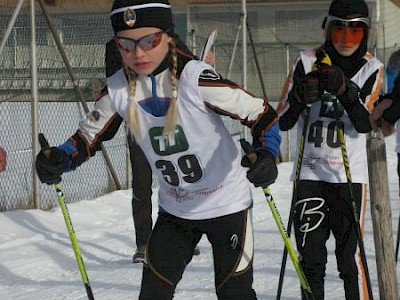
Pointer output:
x,y
34,107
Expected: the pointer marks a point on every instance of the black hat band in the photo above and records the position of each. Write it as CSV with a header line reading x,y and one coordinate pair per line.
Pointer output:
x,y
157,15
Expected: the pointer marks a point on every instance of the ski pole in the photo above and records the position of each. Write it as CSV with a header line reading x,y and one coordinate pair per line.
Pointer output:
x,y
61,199
321,59
346,165
398,240
288,244
294,198
340,130
249,151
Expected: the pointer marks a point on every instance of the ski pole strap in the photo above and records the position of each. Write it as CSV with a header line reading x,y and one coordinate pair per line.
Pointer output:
x,y
322,59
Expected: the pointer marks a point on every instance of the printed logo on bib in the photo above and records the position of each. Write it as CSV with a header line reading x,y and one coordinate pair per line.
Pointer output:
x,y
185,168
328,109
167,145
209,75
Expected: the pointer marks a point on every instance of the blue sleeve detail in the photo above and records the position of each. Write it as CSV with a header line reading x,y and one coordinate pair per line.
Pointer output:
x,y
391,78
272,140
69,148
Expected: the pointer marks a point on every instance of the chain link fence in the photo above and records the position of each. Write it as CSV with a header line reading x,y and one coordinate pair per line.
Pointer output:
x,y
83,37
278,32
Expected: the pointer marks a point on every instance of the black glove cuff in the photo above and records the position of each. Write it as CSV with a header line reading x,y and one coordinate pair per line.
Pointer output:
x,y
296,104
392,114
351,96
290,117
265,153
396,92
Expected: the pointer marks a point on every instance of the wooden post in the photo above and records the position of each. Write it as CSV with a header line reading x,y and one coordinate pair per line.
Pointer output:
x,y
381,216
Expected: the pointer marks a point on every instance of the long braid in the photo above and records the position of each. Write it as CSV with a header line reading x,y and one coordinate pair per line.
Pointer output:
x,y
133,114
172,110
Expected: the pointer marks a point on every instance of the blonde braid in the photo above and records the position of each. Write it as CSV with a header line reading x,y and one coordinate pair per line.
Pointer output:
x,y
133,122
172,110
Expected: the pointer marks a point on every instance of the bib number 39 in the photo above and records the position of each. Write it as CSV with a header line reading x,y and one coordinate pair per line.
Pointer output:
x,y
188,170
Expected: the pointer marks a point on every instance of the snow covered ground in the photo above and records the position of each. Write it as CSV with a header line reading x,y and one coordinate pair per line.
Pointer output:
x,y
37,260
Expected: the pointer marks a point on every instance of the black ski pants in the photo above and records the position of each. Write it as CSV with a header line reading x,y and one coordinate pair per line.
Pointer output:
x,y
141,192
171,246
322,208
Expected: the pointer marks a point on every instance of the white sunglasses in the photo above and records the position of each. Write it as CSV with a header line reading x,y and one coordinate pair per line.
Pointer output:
x,y
354,22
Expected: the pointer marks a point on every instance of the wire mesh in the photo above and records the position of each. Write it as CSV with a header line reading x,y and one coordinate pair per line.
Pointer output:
x,y
279,31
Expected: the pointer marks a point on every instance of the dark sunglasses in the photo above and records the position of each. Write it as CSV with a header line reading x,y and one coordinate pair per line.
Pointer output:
x,y
145,43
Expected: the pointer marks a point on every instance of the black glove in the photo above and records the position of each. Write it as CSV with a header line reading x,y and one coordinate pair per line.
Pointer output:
x,y
308,89
392,114
263,170
50,164
332,79
350,97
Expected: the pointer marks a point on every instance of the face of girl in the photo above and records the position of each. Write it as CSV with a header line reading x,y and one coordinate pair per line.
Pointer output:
x,y
346,39
143,49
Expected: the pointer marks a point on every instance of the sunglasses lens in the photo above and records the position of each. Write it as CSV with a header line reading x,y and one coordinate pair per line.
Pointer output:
x,y
356,24
150,41
146,43
338,24
126,44
351,24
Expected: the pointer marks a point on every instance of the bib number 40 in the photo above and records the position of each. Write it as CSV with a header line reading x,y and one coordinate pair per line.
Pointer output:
x,y
315,134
